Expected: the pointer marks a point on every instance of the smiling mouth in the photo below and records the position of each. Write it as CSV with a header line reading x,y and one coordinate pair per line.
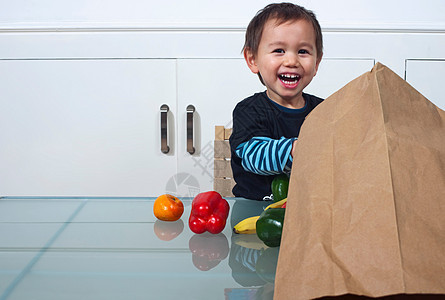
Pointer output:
x,y
289,79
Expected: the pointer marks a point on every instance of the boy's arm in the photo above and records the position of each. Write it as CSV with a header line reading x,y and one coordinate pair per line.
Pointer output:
x,y
266,156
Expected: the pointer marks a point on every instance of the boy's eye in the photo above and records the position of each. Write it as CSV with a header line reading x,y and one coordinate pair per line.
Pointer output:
x,y
278,51
303,51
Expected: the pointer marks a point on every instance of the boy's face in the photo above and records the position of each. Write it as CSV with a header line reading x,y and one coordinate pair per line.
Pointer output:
x,y
287,60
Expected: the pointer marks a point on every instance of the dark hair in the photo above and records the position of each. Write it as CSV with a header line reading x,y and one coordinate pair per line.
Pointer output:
x,y
283,12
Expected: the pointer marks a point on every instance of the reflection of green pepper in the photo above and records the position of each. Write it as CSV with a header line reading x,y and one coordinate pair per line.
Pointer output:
x,y
279,186
266,264
269,226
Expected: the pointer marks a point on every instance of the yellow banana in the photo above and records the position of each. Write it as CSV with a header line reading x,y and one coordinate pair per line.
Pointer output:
x,y
246,226
276,204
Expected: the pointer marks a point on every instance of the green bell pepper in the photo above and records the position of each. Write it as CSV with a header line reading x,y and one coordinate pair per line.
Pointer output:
x,y
269,226
280,186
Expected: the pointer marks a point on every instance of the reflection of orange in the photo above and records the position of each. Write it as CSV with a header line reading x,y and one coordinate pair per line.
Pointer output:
x,y
168,208
167,231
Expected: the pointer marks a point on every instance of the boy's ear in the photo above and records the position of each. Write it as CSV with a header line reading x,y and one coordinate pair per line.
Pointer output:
x,y
250,60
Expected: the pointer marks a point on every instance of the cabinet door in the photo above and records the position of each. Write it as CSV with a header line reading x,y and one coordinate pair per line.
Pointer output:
x,y
427,77
333,74
213,87
85,127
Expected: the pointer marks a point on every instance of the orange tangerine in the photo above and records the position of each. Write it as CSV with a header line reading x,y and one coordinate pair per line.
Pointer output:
x,y
168,208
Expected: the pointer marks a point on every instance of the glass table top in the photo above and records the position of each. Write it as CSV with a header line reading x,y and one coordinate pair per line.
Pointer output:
x,y
114,248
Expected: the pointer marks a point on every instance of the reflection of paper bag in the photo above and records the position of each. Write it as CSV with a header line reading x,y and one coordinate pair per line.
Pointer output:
x,y
366,209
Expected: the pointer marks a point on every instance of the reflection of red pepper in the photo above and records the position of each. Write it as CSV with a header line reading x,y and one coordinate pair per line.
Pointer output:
x,y
208,250
209,213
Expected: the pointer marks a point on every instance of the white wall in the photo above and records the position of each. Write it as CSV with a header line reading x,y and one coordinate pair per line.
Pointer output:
x,y
342,14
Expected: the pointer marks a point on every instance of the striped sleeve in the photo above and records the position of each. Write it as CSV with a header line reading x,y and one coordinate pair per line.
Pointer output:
x,y
266,156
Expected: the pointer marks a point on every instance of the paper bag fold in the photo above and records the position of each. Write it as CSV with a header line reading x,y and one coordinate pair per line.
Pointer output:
x,y
366,202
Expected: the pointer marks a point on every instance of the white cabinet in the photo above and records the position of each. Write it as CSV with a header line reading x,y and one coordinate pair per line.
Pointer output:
x,y
91,127
426,76
213,87
333,74
84,127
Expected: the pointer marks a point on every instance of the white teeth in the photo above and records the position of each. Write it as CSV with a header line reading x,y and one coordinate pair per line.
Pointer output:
x,y
289,78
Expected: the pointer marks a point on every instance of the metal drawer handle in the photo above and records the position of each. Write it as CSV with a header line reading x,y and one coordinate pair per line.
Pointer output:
x,y
190,111
164,144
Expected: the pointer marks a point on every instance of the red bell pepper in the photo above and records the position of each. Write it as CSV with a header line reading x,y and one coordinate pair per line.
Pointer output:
x,y
209,213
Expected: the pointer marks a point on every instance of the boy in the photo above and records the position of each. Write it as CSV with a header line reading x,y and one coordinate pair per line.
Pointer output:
x,y
283,47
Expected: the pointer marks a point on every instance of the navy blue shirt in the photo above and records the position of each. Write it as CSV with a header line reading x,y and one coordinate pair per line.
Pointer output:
x,y
258,116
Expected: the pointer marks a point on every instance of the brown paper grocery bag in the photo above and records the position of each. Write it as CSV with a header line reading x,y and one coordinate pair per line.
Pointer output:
x,y
366,203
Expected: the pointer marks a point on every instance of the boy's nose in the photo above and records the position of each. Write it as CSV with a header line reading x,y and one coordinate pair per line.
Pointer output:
x,y
291,60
